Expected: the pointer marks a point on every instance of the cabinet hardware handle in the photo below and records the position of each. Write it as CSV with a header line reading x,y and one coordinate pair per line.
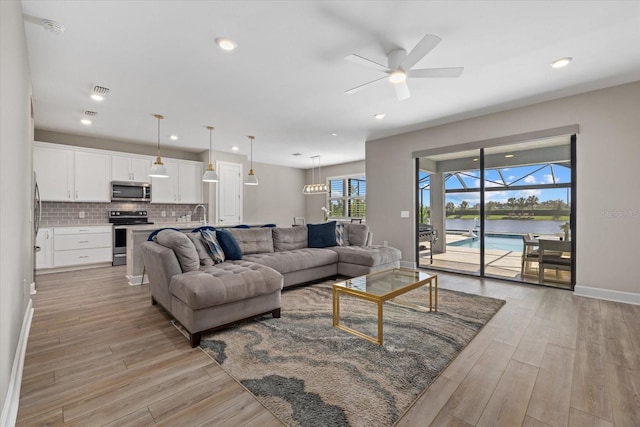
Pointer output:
x,y
83,241
83,256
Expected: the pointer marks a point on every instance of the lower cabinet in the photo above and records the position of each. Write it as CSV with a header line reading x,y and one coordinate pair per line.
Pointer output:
x,y
44,240
82,245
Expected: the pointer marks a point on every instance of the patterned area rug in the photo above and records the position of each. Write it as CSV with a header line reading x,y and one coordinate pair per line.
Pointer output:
x,y
309,373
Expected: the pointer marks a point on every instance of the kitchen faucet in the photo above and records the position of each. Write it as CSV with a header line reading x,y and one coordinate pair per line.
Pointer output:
x,y
204,213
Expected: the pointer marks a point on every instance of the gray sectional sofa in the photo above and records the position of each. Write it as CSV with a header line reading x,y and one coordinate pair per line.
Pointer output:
x,y
204,295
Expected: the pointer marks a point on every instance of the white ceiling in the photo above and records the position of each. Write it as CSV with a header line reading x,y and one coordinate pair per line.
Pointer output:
x,y
285,82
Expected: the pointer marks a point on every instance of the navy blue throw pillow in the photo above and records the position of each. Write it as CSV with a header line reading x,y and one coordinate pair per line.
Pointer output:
x,y
322,235
229,245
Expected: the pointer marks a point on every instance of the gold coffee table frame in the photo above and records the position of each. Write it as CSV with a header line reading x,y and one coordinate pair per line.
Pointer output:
x,y
380,287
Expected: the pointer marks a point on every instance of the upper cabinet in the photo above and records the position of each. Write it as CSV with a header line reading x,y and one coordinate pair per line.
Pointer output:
x,y
74,174
66,175
184,184
134,169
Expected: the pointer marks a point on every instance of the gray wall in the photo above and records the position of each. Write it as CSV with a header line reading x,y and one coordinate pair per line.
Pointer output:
x,y
16,226
608,209
313,203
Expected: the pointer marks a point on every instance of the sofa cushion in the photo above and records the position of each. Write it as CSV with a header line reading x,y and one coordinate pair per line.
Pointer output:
x,y
213,247
229,245
253,240
287,239
299,259
224,283
357,234
183,247
205,258
322,235
367,256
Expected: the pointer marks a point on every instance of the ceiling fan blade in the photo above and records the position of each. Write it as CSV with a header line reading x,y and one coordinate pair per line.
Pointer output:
x,y
423,47
364,86
436,72
402,91
357,59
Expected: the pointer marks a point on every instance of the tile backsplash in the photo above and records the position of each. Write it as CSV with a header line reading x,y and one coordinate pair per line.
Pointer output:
x,y
68,213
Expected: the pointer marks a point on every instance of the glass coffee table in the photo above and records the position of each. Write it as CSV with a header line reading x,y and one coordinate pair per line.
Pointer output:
x,y
380,287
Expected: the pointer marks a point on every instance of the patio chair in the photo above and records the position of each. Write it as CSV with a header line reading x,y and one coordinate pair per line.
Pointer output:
x,y
553,254
530,254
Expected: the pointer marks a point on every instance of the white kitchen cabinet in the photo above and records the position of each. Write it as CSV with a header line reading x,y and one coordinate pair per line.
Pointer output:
x,y
82,245
44,240
190,183
184,184
91,181
132,169
67,175
54,172
165,190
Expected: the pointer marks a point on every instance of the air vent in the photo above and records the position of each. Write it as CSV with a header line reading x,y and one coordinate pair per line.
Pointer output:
x,y
90,113
100,90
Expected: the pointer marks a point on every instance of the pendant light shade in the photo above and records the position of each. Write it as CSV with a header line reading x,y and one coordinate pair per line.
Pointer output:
x,y
315,188
210,174
251,178
158,170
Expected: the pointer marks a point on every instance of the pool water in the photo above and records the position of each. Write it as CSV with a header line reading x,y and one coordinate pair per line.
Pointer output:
x,y
491,241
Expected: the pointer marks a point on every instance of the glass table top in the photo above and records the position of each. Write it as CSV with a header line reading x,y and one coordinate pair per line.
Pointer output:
x,y
385,282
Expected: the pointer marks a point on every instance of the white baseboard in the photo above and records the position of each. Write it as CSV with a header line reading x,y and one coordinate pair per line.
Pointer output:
x,y
137,280
10,406
407,264
607,294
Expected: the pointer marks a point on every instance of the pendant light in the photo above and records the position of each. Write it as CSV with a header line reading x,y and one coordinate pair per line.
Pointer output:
x,y
251,178
210,174
313,188
158,170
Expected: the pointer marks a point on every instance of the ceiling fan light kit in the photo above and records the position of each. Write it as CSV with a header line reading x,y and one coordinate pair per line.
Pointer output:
x,y
398,68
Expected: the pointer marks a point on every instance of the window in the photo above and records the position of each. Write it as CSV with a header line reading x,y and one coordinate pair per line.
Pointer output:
x,y
347,197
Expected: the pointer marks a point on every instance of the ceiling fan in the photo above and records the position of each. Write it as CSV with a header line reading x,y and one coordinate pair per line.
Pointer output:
x,y
399,64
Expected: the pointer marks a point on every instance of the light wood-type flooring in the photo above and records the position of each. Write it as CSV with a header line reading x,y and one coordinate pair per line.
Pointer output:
x,y
100,354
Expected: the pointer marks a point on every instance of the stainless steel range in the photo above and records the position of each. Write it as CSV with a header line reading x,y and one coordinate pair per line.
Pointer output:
x,y
120,219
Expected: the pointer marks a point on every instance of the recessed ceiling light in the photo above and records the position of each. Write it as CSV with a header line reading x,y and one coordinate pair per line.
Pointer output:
x,y
52,26
297,154
508,156
379,116
97,97
476,159
234,148
173,137
85,122
334,134
226,44
562,62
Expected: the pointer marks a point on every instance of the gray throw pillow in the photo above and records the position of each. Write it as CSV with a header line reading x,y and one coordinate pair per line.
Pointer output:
x,y
183,247
205,258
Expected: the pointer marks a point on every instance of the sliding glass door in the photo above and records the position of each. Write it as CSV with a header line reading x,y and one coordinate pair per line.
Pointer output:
x,y
491,207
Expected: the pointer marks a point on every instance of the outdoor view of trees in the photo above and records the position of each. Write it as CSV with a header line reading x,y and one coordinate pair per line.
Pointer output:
x,y
347,197
514,208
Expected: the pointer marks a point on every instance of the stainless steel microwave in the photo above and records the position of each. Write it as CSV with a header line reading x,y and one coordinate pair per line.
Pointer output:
x,y
125,191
